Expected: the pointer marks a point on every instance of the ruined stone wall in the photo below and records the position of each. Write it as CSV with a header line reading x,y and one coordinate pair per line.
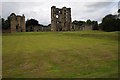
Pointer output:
x,y
53,18
82,27
17,23
88,27
37,28
60,19
23,24
13,23
77,28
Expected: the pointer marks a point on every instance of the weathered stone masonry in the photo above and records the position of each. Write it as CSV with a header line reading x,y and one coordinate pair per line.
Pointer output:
x,y
60,19
17,23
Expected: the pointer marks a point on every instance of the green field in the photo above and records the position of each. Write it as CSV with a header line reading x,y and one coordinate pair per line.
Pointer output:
x,y
82,54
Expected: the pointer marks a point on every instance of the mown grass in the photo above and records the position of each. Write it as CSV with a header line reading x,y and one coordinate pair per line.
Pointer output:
x,y
82,54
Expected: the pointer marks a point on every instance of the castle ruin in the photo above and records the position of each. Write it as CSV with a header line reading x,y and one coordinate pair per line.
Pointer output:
x,y
17,23
60,19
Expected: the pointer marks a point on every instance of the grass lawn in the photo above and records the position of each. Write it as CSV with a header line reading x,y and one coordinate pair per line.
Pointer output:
x,y
80,54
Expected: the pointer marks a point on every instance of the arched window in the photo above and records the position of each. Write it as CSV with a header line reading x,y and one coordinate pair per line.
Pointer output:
x,y
57,16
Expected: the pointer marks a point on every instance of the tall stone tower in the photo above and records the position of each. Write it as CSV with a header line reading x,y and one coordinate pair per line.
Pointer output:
x,y
60,19
17,23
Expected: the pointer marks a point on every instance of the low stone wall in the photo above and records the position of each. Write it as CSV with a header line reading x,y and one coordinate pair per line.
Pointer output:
x,y
6,31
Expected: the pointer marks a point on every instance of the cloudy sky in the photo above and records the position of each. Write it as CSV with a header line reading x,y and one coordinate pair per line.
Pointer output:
x,y
41,9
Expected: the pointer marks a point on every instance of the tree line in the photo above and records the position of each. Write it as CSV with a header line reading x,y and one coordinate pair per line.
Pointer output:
x,y
110,23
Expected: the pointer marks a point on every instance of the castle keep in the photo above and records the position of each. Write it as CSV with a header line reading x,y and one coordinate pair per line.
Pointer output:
x,y
17,23
60,19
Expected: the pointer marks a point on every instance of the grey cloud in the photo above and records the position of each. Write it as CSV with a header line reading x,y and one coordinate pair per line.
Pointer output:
x,y
10,7
99,4
0,9
119,5
59,0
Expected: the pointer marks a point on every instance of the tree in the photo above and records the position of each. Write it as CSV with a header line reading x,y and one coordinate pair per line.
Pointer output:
x,y
89,22
119,13
31,22
110,23
118,10
79,23
95,25
5,24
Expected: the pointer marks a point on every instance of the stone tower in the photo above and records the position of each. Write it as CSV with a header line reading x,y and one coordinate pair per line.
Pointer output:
x,y
60,19
17,23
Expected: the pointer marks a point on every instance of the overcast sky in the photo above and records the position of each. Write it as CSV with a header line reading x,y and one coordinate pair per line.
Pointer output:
x,y
41,10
